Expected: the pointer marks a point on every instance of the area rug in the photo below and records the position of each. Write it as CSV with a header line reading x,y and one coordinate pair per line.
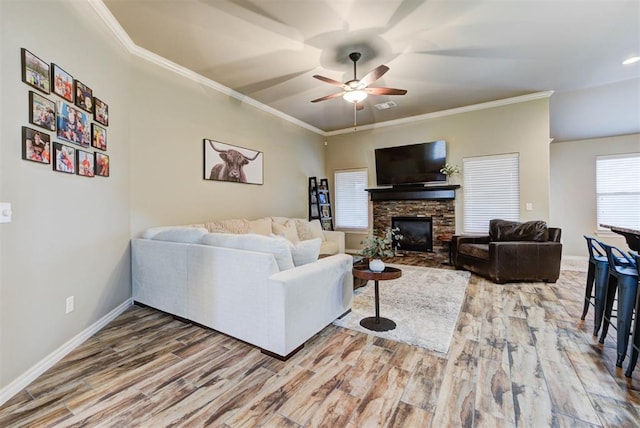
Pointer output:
x,y
423,302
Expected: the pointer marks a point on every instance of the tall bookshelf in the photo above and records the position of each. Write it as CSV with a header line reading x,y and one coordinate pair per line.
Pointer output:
x,y
320,202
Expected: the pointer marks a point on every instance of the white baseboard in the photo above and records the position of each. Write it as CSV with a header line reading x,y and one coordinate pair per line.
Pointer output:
x,y
575,263
45,364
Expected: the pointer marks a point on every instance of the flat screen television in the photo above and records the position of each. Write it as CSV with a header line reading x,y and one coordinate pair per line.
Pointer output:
x,y
411,164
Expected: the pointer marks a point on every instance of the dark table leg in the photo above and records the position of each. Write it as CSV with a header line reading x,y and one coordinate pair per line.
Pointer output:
x,y
377,323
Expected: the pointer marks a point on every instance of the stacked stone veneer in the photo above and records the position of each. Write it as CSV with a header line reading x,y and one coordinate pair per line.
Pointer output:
x,y
442,213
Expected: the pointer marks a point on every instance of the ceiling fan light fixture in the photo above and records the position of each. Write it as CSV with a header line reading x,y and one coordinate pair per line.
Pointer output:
x,y
355,96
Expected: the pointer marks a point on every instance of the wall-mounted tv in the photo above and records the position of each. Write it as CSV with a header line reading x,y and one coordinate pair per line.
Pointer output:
x,y
411,164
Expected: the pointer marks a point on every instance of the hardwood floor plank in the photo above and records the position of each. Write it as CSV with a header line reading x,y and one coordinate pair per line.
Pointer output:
x,y
301,406
567,393
335,410
456,404
365,372
525,367
409,416
379,404
493,390
423,387
532,406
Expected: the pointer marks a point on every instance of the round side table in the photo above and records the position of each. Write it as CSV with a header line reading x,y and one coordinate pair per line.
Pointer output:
x,y
377,323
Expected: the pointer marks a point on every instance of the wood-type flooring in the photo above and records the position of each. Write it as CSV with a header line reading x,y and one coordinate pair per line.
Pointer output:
x,y
520,357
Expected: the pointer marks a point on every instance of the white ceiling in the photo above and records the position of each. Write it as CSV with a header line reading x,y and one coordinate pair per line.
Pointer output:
x,y
446,54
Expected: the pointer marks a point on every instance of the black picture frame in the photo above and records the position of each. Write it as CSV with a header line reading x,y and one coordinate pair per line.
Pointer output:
x,y
73,124
84,96
100,111
64,158
62,83
98,137
36,145
85,162
101,164
35,72
42,111
224,162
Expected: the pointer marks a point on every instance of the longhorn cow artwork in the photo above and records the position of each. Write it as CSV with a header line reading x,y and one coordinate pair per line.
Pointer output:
x,y
224,162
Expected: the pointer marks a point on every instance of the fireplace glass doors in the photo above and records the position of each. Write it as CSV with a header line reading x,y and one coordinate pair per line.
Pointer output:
x,y
417,233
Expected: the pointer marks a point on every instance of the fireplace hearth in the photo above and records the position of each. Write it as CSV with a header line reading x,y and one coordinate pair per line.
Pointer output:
x,y
416,231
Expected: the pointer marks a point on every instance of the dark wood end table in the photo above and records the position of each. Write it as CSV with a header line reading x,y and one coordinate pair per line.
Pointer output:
x,y
446,239
377,323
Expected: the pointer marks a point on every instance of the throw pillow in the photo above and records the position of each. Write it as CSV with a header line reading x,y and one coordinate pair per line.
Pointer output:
x,y
253,242
304,252
316,229
288,230
188,235
304,229
261,226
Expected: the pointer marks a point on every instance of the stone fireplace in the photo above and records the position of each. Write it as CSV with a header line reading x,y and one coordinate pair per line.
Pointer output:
x,y
438,204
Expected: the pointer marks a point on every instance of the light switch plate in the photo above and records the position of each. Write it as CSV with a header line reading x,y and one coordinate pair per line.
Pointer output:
x,y
5,212
529,206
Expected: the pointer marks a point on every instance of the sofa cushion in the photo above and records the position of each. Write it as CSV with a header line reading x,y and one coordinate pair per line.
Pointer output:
x,y
503,230
186,234
479,251
304,252
239,225
329,248
304,229
288,230
261,226
253,242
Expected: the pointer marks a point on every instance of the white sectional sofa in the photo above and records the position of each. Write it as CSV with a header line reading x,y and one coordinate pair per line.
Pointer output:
x,y
264,290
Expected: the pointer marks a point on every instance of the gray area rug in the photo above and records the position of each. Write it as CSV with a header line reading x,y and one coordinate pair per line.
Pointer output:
x,y
423,302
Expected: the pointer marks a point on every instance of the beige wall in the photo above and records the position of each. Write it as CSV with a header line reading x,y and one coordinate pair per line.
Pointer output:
x,y
170,117
70,235
516,128
573,190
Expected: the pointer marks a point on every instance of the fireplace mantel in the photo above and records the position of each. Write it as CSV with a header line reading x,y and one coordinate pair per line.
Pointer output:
x,y
413,193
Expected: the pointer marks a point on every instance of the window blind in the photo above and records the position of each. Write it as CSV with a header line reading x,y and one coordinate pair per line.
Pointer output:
x,y
351,199
491,190
618,190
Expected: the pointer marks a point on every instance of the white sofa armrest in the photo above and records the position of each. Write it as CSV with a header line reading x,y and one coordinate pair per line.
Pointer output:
x,y
304,300
336,236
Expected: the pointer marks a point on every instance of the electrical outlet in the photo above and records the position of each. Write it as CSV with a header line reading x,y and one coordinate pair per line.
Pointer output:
x,y
69,304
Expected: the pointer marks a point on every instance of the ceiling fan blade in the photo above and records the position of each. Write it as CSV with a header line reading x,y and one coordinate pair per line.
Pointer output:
x,y
373,75
331,81
328,97
385,91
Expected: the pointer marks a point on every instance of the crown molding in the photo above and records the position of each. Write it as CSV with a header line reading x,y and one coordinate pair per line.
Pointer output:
x,y
107,17
457,110
105,14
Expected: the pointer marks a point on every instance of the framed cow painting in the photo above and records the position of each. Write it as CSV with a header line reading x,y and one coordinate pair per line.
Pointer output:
x,y
224,162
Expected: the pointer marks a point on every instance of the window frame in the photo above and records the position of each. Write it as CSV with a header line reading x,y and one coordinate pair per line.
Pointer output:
x,y
365,199
473,202
616,179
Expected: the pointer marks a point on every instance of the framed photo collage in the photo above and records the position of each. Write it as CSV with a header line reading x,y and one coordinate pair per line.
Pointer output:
x,y
75,116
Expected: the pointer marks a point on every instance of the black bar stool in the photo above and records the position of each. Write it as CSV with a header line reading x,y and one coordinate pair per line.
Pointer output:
x,y
623,277
635,341
597,275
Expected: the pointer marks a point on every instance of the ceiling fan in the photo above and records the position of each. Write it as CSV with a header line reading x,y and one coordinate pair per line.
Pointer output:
x,y
355,91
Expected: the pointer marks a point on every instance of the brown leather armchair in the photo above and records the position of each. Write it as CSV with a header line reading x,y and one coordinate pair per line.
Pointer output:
x,y
512,252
